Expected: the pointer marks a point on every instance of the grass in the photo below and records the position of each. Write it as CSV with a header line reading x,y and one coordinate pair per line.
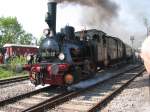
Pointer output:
x,y
9,70
5,74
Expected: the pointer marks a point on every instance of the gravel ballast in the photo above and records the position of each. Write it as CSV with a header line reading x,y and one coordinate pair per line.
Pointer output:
x,y
135,98
18,88
14,89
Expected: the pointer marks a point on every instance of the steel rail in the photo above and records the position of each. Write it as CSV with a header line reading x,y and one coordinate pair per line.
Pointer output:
x,y
57,100
16,98
12,80
109,97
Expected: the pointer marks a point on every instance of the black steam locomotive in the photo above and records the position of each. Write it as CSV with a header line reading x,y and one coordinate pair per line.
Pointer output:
x,y
68,57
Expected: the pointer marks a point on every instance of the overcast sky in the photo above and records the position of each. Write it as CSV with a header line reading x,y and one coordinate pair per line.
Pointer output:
x,y
31,14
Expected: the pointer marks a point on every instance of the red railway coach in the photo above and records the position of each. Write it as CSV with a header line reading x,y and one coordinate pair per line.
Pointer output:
x,y
20,50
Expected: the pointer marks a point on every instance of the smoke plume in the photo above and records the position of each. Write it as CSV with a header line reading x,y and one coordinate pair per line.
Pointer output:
x,y
93,14
95,11
145,53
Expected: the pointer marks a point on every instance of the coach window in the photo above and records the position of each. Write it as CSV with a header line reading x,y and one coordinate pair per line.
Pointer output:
x,y
77,38
96,37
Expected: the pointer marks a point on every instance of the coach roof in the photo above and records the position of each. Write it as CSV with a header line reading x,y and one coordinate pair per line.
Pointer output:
x,y
17,45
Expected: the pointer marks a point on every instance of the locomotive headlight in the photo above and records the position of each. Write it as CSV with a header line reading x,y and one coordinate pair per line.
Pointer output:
x,y
46,32
61,56
28,58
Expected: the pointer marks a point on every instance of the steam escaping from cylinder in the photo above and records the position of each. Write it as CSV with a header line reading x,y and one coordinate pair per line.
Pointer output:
x,y
145,53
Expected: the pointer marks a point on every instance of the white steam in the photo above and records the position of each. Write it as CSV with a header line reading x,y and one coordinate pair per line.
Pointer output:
x,y
145,53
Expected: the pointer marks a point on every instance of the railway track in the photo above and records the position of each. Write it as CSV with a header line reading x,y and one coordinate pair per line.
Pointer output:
x,y
78,97
12,80
21,102
39,100
119,85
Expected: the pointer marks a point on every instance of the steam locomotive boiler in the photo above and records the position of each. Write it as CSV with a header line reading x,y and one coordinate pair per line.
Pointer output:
x,y
67,57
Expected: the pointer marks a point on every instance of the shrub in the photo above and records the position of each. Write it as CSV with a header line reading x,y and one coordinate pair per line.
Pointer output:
x,y
13,62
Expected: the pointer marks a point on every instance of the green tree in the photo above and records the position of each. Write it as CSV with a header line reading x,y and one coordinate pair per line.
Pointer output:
x,y
25,38
40,40
12,32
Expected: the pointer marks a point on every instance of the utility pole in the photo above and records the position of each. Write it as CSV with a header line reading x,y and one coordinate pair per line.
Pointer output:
x,y
1,36
132,41
147,26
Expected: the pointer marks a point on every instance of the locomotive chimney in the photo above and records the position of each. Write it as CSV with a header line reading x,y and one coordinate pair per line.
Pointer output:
x,y
51,16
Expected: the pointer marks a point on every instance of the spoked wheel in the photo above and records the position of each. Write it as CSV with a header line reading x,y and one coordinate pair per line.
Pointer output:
x,y
89,68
